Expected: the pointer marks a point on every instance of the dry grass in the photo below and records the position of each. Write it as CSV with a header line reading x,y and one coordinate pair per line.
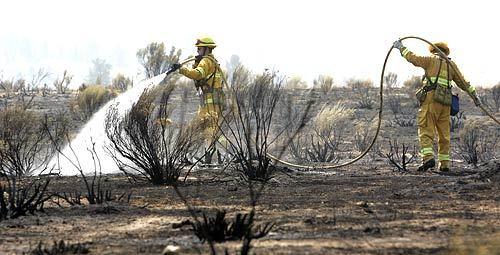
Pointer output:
x,y
474,245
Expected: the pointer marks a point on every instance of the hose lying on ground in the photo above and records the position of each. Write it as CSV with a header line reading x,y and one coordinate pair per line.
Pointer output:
x,y
379,118
379,121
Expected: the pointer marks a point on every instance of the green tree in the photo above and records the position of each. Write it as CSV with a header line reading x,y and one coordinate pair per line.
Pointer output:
x,y
155,60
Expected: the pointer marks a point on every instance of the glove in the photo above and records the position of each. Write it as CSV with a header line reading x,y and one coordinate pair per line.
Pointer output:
x,y
175,67
397,44
476,99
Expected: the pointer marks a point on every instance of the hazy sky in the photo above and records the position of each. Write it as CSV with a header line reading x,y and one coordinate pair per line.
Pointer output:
x,y
343,39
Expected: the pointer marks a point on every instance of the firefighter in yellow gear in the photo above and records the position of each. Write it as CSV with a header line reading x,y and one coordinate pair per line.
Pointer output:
x,y
207,76
435,100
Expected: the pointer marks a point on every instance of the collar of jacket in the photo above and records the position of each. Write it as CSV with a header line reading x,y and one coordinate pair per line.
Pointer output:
x,y
439,56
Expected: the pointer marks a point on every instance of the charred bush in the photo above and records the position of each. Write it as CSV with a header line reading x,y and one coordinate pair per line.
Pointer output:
x,y
25,148
62,84
220,229
402,120
394,103
248,126
24,144
147,142
361,89
365,101
289,114
495,94
72,198
20,198
101,196
60,247
476,145
96,193
401,155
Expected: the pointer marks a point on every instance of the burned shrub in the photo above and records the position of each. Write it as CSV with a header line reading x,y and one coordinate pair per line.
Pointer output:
x,y
220,229
62,84
495,94
91,98
23,142
60,247
247,128
401,155
25,148
402,120
361,90
147,142
96,192
394,103
475,144
291,119
21,197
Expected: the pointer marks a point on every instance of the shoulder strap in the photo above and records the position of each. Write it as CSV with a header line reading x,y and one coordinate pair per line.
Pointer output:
x,y
448,73
437,77
217,67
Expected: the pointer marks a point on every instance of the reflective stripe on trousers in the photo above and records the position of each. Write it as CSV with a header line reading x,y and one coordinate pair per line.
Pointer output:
x,y
434,118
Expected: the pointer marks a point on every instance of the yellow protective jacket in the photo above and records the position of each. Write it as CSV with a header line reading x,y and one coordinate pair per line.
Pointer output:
x,y
432,65
206,73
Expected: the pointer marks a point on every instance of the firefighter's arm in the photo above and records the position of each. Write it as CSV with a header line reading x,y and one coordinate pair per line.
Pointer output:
x,y
463,84
198,73
416,60
460,80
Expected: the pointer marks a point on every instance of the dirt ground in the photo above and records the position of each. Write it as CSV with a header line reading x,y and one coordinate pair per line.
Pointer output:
x,y
366,208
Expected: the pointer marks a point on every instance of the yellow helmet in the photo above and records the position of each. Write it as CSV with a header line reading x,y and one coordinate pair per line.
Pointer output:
x,y
205,42
442,46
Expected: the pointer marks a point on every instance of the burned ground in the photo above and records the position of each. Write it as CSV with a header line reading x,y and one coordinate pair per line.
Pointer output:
x,y
365,208
358,210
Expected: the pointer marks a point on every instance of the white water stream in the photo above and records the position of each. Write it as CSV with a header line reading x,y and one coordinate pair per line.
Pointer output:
x,y
77,152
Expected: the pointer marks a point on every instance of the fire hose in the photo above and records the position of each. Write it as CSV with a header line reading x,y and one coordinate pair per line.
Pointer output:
x,y
379,116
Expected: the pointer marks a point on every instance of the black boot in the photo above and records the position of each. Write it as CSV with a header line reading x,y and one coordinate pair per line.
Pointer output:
x,y
427,165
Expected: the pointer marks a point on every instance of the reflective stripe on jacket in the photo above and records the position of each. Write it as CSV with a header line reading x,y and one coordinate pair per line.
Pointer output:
x,y
431,65
205,70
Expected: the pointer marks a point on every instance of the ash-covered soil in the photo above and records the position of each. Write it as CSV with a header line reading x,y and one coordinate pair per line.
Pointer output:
x,y
355,210
365,208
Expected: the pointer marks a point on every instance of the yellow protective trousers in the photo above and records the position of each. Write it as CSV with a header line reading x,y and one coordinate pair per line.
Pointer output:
x,y
432,117
209,116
